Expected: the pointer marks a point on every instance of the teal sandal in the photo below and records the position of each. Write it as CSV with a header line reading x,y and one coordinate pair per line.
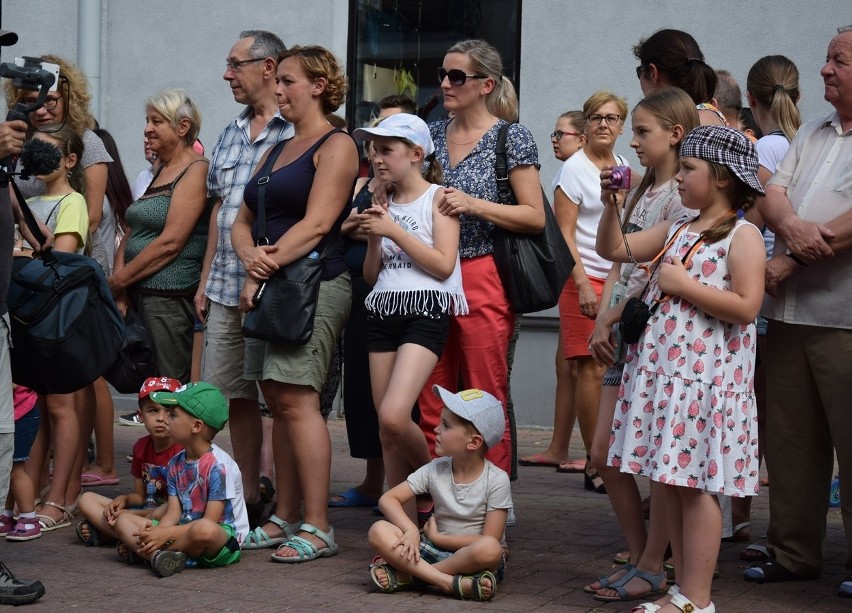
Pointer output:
x,y
259,539
476,586
305,549
652,579
605,581
394,584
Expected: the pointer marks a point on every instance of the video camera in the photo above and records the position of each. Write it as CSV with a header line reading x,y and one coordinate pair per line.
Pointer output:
x,y
27,73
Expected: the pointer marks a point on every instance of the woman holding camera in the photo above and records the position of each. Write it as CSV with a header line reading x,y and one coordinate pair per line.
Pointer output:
x,y
307,199
577,200
481,101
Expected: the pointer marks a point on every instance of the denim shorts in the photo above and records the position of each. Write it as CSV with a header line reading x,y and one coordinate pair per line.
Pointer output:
x,y
26,429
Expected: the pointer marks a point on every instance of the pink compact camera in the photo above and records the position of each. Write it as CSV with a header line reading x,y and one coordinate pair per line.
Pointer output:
x,y
620,178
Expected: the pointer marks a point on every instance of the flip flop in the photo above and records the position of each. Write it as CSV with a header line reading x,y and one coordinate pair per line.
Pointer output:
x,y
538,460
578,467
353,498
92,480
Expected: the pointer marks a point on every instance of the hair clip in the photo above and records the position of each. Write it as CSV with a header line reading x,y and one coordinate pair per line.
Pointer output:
x,y
740,214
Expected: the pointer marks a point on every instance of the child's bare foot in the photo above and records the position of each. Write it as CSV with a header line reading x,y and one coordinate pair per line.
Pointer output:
x,y
481,586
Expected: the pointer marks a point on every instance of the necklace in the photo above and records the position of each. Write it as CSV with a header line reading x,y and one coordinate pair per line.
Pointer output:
x,y
470,142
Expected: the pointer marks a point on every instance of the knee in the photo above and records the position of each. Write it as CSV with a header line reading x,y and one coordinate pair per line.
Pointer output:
x,y
392,424
598,455
487,552
205,532
379,534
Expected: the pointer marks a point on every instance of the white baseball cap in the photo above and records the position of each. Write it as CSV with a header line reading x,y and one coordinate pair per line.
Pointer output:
x,y
480,408
401,125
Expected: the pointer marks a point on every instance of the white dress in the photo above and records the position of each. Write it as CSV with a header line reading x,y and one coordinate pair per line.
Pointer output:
x,y
686,414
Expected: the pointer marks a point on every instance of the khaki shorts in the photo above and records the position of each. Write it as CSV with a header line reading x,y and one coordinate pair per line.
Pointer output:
x,y
225,353
305,364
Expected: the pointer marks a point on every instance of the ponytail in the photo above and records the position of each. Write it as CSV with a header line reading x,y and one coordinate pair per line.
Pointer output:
x,y
432,170
785,112
741,196
502,102
773,82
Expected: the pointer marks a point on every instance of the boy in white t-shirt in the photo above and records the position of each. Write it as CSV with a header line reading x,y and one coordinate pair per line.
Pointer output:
x,y
462,550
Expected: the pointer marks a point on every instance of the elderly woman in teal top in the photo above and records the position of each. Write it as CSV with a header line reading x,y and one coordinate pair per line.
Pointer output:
x,y
158,264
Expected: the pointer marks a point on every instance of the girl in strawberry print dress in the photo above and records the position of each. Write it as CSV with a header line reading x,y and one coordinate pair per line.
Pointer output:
x,y
686,416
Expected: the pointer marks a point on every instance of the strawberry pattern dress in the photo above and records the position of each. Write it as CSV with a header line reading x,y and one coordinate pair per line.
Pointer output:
x,y
686,413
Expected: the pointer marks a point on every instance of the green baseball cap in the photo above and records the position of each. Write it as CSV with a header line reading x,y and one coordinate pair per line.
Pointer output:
x,y
200,400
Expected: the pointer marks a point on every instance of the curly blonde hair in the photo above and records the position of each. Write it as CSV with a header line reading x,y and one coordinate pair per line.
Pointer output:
x,y
319,62
73,88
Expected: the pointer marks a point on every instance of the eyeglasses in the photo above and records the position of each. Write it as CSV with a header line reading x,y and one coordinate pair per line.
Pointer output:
x,y
611,119
236,65
558,134
639,70
49,103
456,76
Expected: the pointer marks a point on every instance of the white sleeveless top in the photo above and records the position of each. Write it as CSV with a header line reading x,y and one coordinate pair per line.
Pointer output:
x,y
403,287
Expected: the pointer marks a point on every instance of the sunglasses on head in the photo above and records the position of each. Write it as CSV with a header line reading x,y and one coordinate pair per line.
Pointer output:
x,y
456,76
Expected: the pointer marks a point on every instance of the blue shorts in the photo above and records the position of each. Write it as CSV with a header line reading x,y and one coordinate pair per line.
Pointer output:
x,y
26,429
432,554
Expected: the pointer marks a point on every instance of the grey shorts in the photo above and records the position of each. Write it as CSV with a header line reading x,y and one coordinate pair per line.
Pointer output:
x,y
225,353
305,364
7,408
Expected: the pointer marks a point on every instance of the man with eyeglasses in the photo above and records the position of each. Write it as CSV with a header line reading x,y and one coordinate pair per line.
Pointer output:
x,y
250,71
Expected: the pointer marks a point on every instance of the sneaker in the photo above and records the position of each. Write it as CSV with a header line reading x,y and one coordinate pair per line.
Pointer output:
x,y
14,591
27,529
131,419
7,524
167,563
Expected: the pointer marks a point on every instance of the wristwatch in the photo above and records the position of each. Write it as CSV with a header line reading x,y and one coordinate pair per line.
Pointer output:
x,y
795,258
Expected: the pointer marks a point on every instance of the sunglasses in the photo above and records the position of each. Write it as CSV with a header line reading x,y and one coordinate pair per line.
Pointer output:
x,y
456,76
639,70
558,134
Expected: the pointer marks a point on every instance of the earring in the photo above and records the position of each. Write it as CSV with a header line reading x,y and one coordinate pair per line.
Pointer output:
x,y
69,174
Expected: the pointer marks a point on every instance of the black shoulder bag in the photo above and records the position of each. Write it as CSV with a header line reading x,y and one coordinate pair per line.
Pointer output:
x,y
532,267
286,303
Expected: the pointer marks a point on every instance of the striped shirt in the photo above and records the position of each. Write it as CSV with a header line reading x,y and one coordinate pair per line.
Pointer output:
x,y
817,173
232,163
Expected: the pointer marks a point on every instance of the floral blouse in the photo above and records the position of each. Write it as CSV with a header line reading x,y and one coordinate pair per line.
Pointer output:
x,y
474,175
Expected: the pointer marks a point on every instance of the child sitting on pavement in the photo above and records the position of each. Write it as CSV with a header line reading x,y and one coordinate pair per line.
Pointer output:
x,y
462,550
151,455
206,516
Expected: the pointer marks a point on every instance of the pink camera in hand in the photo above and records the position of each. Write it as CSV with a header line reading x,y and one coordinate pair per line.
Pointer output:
x,y
620,177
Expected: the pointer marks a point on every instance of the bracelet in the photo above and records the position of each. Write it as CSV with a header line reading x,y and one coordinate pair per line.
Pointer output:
x,y
795,258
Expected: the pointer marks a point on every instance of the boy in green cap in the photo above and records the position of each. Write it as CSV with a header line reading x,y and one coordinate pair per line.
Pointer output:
x,y
206,516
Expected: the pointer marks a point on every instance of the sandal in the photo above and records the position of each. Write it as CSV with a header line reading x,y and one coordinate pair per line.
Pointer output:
x,y
353,497
653,606
26,529
267,490
94,538
652,579
592,480
127,555
394,584
259,539
476,585
687,606
605,582
741,533
49,524
305,549
770,572
845,589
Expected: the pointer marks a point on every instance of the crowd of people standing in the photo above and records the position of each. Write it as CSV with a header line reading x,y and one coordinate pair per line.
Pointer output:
x,y
711,220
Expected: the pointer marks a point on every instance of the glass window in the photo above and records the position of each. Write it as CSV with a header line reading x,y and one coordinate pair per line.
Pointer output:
x,y
397,46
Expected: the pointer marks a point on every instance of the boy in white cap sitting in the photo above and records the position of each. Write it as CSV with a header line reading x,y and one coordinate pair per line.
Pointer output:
x,y
462,550
206,515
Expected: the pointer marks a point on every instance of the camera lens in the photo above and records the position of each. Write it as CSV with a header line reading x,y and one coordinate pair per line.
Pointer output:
x,y
616,177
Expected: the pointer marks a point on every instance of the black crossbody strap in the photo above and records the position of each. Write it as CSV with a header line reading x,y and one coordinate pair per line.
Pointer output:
x,y
261,191
501,167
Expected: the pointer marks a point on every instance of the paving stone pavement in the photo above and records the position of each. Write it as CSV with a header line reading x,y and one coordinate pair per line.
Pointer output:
x,y
564,538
